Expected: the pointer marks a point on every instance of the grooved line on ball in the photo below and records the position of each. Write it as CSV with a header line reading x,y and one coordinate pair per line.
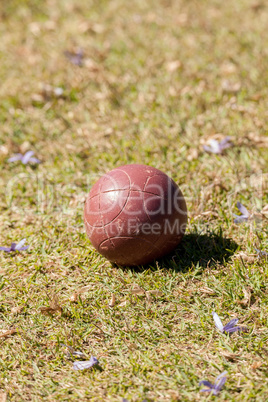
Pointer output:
x,y
106,224
99,211
130,179
148,178
146,210
86,208
108,238
103,226
120,170
93,196
154,175
129,189
88,224
115,181
122,209
127,237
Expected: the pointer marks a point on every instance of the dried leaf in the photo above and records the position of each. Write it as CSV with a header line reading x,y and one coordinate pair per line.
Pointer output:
x,y
4,150
228,68
112,301
91,65
47,310
53,306
16,310
75,295
258,6
123,304
8,333
3,396
230,356
84,289
206,213
137,290
260,140
155,293
265,210
132,346
173,65
256,365
37,98
97,28
247,297
230,87
54,303
192,154
250,258
148,297
207,290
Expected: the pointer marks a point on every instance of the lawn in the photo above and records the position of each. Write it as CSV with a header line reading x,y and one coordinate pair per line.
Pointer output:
x,y
92,85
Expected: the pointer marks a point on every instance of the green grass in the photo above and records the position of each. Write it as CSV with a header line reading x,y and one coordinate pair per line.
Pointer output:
x,y
129,104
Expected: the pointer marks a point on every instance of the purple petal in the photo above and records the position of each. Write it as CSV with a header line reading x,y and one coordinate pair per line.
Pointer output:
x,y
34,160
230,324
220,381
27,157
220,384
206,383
242,209
225,143
217,386
240,218
217,321
213,147
85,364
7,249
13,246
234,329
15,158
206,148
19,245
261,253
23,248
75,58
225,140
223,374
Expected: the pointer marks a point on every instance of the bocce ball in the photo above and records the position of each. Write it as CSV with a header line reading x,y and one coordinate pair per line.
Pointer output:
x,y
135,214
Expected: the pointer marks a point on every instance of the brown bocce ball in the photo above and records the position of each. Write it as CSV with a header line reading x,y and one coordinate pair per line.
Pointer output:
x,y
135,214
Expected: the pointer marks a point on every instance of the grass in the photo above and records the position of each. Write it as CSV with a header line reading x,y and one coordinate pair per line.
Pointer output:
x,y
159,79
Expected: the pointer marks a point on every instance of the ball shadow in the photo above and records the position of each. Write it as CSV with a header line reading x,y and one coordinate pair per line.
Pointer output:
x,y
202,250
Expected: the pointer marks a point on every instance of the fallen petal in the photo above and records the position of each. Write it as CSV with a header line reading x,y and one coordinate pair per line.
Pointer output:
x,y
27,157
242,209
7,249
20,244
34,160
230,324
85,364
206,383
217,321
15,158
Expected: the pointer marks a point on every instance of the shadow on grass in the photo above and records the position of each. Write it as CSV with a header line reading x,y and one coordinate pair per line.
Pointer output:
x,y
195,250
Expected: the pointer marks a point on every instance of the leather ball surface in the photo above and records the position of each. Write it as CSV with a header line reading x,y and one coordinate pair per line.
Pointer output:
x,y
135,214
